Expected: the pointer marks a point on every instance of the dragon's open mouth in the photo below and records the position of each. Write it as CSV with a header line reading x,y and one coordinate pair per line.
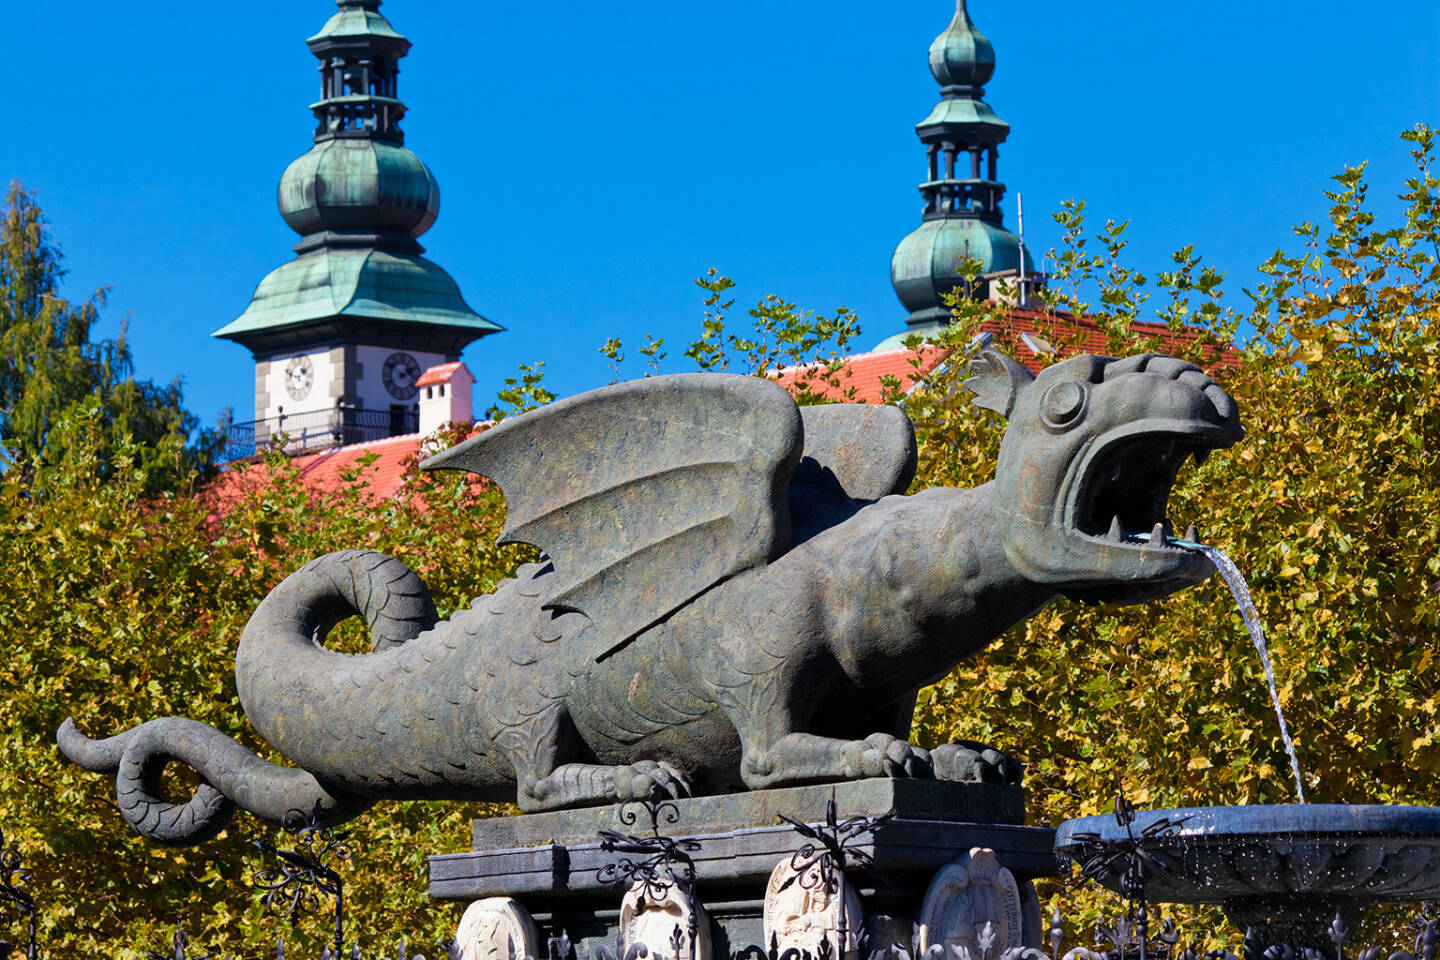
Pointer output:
x,y
1125,489
1088,499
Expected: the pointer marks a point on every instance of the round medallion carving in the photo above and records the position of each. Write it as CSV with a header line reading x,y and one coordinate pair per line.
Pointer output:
x,y
800,911
497,928
965,897
663,924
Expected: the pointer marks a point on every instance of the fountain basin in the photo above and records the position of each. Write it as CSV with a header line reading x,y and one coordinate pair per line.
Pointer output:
x,y
1284,871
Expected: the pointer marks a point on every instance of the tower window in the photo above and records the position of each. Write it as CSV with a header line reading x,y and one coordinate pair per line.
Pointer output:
x,y
398,418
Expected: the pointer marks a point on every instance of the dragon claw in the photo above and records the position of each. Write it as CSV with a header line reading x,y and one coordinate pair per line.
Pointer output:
x,y
643,779
972,762
882,755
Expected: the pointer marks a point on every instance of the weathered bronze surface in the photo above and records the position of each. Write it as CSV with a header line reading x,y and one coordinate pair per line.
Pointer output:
x,y
736,595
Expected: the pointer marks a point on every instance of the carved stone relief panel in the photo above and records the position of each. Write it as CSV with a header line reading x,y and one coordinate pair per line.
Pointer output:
x,y
496,928
800,911
965,896
655,922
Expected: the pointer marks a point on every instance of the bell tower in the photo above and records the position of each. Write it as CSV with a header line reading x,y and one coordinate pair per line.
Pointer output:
x,y
961,194
341,333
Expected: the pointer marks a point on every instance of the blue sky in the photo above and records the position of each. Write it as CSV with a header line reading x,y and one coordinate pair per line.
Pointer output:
x,y
593,158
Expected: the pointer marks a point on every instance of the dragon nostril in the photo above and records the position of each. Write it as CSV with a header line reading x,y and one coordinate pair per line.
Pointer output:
x,y
1195,379
1224,405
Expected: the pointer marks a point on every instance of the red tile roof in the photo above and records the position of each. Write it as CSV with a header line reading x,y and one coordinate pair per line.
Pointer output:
x,y
321,472
442,373
859,382
860,379
1084,335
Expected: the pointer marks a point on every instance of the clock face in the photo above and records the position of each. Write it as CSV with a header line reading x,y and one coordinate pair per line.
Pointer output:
x,y
299,375
400,373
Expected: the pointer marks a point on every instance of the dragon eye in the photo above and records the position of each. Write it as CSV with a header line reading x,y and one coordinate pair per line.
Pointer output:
x,y
1063,404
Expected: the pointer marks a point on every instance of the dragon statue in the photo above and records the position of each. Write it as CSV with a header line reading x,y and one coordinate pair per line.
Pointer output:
x,y
734,593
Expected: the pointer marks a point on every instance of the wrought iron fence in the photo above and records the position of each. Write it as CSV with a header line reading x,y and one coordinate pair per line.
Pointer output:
x,y
666,860
14,898
184,949
318,430
1125,939
298,880
305,874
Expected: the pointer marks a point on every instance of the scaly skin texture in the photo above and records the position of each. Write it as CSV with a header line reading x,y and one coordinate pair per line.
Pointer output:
x,y
802,670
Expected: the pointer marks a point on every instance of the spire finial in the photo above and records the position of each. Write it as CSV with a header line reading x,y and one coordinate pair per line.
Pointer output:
x,y
962,55
360,201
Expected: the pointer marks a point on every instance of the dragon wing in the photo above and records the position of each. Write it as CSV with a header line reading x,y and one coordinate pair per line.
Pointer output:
x,y
644,494
870,447
855,453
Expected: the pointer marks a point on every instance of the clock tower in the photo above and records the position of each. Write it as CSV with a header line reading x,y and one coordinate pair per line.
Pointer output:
x,y
341,333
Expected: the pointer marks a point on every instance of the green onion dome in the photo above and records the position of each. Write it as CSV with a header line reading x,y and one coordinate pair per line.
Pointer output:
x,y
359,185
927,263
962,55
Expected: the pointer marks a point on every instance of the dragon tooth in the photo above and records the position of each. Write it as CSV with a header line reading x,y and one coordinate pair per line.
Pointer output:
x,y
1201,455
1116,533
1157,534
1192,534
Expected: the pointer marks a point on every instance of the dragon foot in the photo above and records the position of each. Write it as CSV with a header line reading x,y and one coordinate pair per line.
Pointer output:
x,y
883,755
230,776
582,784
973,762
799,758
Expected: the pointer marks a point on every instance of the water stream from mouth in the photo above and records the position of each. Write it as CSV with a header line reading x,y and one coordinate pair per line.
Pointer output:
x,y
1240,590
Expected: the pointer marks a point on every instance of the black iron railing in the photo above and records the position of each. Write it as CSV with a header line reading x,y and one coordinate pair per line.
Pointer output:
x,y
307,878
319,430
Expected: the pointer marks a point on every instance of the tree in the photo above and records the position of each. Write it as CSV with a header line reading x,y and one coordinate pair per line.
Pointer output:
x,y
1330,505
122,606
49,366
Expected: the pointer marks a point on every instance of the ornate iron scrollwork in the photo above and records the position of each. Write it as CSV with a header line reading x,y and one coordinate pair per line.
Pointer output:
x,y
662,861
304,874
14,897
828,847
823,858
1127,859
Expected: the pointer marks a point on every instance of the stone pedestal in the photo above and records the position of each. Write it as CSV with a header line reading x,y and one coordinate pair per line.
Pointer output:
x,y
550,862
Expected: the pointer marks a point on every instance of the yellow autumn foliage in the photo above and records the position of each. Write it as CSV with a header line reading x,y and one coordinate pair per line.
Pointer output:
x,y
121,607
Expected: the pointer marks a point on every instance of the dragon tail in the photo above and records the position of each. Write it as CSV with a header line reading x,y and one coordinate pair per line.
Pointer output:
x,y
230,776
283,637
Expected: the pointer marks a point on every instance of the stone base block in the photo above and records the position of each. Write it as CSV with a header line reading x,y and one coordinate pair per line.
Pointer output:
x,y
551,863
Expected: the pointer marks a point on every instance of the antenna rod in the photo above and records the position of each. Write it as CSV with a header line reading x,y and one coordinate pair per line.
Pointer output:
x,y
1020,216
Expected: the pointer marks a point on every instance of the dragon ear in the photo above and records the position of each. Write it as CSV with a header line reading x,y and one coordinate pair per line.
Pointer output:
x,y
996,380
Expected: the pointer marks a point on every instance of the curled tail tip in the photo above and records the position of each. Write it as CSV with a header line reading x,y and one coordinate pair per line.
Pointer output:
x,y
75,746
230,775
67,736
84,752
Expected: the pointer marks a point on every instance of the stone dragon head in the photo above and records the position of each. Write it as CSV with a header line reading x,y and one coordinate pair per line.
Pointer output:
x,y
1087,465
